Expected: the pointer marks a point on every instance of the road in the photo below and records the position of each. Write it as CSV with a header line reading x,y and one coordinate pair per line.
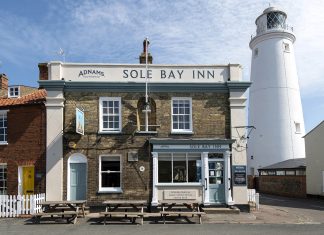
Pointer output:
x,y
160,229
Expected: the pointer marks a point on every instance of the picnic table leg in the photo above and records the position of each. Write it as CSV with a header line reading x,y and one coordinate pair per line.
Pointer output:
x,y
200,221
75,219
164,218
105,219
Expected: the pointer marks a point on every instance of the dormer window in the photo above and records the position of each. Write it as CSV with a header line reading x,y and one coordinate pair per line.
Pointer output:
x,y
14,92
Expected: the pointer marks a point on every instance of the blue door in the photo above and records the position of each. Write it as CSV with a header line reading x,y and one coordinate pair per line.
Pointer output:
x,y
78,181
216,181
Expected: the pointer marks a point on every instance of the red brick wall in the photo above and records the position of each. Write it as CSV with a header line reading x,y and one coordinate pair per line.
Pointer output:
x,y
26,144
290,186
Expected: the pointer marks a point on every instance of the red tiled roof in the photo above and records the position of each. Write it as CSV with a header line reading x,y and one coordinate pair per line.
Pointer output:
x,y
32,98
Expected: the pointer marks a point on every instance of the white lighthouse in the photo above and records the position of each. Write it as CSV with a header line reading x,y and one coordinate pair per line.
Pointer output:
x,y
275,108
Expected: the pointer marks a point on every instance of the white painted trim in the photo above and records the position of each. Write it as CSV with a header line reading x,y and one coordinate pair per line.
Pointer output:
x,y
110,189
20,179
75,158
13,88
101,129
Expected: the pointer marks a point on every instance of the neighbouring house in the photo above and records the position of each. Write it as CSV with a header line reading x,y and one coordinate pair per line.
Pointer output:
x,y
315,161
178,141
286,178
22,139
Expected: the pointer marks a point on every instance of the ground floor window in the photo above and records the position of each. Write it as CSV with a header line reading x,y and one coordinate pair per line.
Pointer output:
x,y
3,179
110,173
179,168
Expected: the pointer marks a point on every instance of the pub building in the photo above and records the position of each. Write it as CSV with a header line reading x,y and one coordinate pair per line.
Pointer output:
x,y
145,131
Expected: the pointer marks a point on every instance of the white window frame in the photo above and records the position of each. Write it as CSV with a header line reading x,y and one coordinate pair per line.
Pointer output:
x,y
297,127
4,113
14,90
110,189
178,183
190,116
4,165
109,130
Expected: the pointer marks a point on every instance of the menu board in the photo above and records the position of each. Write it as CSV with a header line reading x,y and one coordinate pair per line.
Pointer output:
x,y
239,175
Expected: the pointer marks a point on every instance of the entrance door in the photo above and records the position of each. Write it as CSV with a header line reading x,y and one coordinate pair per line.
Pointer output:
x,y
78,182
216,181
28,180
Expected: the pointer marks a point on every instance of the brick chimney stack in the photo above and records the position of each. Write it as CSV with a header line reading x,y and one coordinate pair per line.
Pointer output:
x,y
3,85
43,71
142,57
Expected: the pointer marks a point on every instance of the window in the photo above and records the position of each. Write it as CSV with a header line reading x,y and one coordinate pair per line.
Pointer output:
x,y
181,115
297,127
276,20
286,47
3,179
110,114
110,174
3,127
280,172
179,168
13,92
256,52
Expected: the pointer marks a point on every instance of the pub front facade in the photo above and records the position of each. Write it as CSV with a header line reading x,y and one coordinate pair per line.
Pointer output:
x,y
165,132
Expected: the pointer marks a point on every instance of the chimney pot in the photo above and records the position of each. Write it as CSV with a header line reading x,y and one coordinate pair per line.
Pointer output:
x,y
142,57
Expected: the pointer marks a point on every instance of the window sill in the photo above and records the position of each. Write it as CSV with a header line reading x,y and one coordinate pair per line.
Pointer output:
x,y
182,133
179,184
109,132
110,191
146,132
3,143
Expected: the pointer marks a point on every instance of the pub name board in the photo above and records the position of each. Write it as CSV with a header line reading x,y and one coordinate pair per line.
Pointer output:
x,y
154,74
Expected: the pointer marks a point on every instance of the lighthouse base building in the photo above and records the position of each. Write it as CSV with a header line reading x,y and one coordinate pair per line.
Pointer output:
x,y
101,146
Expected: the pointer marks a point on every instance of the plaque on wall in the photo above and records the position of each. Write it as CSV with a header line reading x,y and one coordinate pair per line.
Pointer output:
x,y
132,156
180,194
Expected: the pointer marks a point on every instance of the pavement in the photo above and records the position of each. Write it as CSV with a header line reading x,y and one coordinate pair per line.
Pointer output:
x,y
277,210
273,210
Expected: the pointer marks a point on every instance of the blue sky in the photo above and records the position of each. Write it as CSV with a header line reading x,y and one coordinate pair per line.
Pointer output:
x,y
181,32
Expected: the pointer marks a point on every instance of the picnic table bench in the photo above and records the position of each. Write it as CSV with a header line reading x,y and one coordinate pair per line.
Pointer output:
x,y
180,208
131,209
68,210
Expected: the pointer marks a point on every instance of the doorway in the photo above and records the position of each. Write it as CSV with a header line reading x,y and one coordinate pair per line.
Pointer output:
x,y
77,177
216,181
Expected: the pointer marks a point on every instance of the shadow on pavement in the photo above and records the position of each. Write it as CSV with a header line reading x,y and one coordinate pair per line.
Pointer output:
x,y
303,203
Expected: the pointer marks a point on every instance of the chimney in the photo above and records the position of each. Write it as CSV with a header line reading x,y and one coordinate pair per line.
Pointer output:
x,y
142,57
43,71
3,85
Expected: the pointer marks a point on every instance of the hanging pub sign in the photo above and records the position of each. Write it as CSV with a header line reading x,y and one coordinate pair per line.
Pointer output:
x,y
239,175
79,123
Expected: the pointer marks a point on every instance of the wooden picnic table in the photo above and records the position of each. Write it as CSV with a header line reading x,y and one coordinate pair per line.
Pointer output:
x,y
127,208
68,210
183,208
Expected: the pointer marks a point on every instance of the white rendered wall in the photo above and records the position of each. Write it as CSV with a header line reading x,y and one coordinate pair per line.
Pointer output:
x,y
315,161
54,139
274,101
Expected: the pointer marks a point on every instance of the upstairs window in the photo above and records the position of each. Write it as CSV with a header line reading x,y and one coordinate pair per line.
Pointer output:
x,y
14,92
286,47
297,128
110,114
3,127
181,115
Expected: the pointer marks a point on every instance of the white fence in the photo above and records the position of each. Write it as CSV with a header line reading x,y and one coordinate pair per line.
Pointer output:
x,y
253,198
13,206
